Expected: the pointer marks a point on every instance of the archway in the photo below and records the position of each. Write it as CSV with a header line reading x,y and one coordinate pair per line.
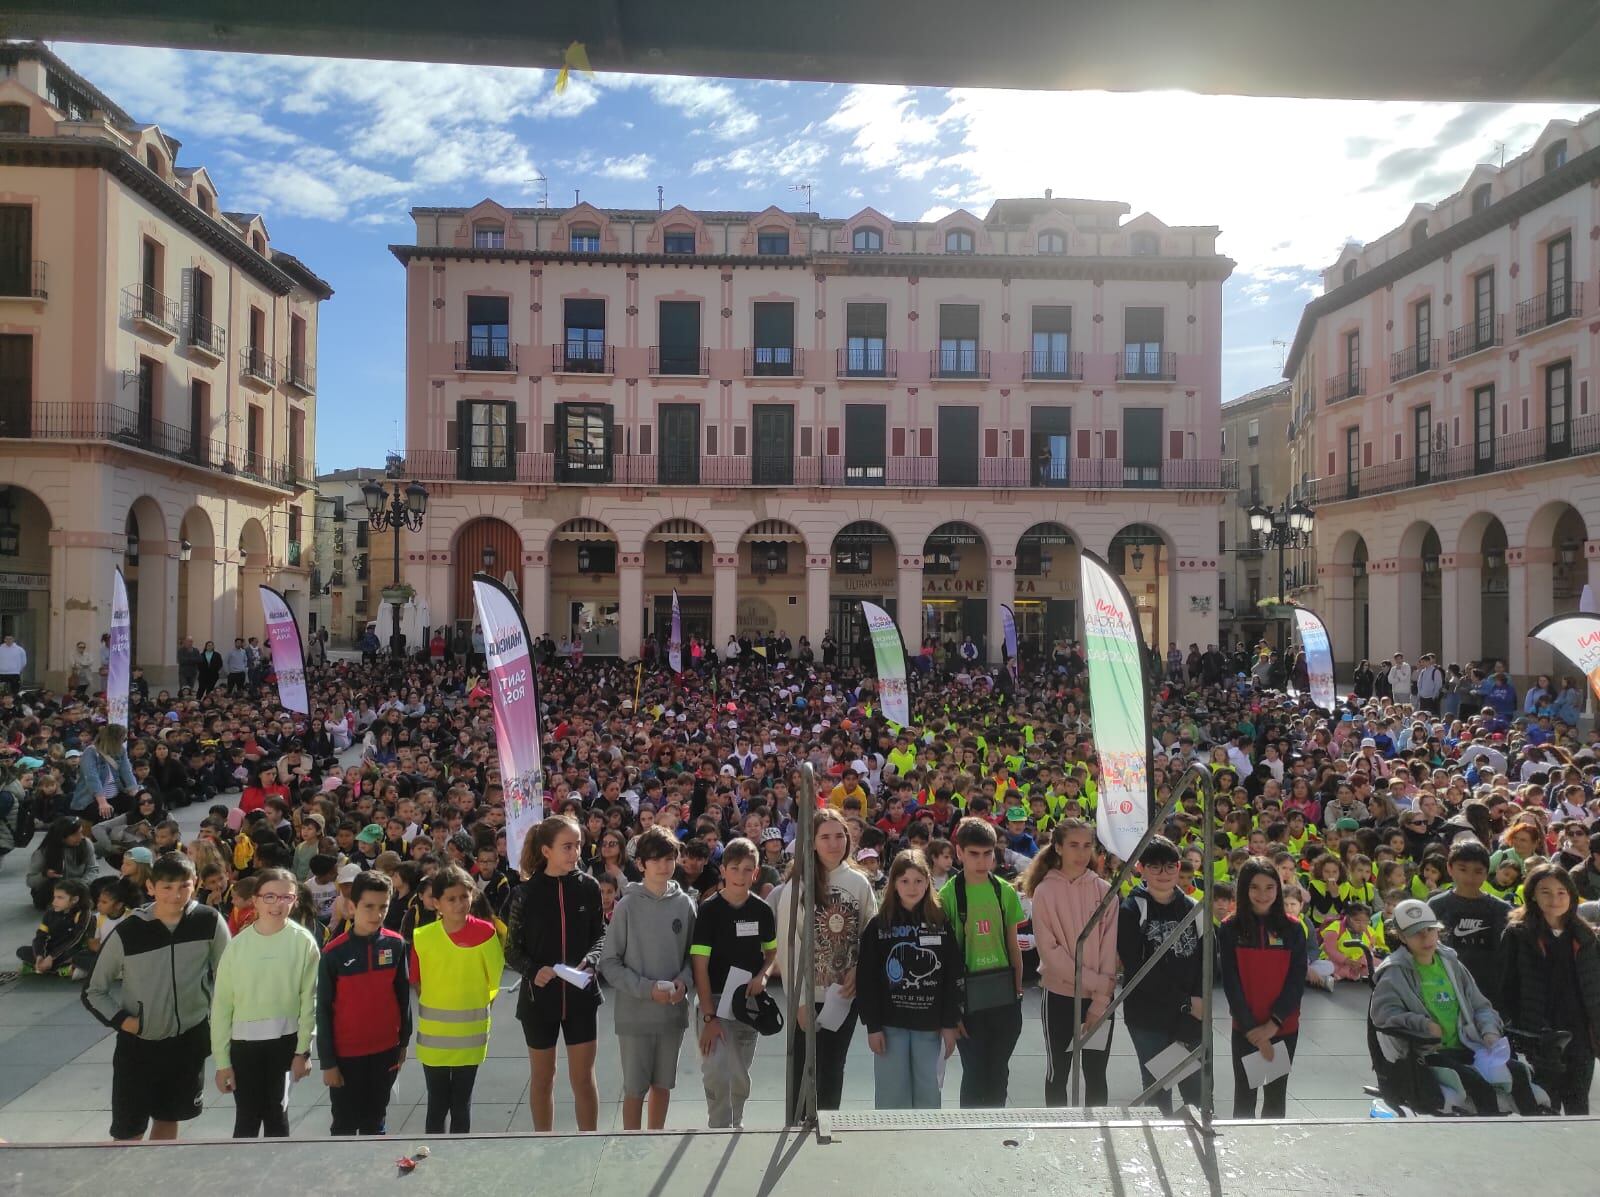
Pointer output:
x,y
1046,602
1556,573
144,571
864,566
1421,591
678,556
1139,555
254,558
25,525
955,590
584,593
1494,604
197,577
772,581
483,545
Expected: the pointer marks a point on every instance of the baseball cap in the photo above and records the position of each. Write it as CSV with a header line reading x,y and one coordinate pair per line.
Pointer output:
x,y
142,856
771,833
760,1011
1015,814
348,874
370,834
1413,915
1369,742
867,854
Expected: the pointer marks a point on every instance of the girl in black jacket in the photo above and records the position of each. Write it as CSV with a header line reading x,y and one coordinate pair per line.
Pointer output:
x,y
171,775
555,918
1551,982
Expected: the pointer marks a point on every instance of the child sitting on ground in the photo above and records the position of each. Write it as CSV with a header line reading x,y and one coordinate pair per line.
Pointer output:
x,y
1353,944
58,941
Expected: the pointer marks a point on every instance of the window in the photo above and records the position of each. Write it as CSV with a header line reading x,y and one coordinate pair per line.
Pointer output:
x,y
958,339
864,446
1558,409
1558,278
958,241
253,428
155,161
201,331
1253,431
683,557
488,235
866,338
678,241
772,243
597,557
852,559
1422,333
13,118
1352,460
258,243
1144,245
67,99
16,384
488,332
16,249
584,240
297,350
769,558
1255,484
1222,536
1483,429
1352,362
1052,242
1051,355
867,241
1483,309
1422,441
680,337
486,446
584,442
1051,429
1349,272
1419,233
586,335
1482,197
1555,157
199,419
204,201
773,353
1142,340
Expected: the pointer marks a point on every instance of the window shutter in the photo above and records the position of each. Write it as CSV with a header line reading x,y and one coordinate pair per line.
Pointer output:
x,y
1366,453
1332,467
991,442
958,321
1083,442
897,441
1111,443
711,440
774,325
461,430
807,441
866,320
1174,445
644,440
1019,444
1524,411
738,440
924,442
522,436
1052,319
1399,451
549,438
1144,326
451,437
833,441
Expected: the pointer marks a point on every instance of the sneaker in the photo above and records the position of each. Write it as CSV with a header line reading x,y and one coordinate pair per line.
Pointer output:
x,y
66,970
80,974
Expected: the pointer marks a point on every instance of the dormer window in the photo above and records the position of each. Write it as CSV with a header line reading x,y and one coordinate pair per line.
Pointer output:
x,y
1419,233
258,243
203,201
1144,245
584,240
775,241
1052,242
958,241
1556,156
154,160
1349,272
678,241
867,241
488,234
13,118
1482,197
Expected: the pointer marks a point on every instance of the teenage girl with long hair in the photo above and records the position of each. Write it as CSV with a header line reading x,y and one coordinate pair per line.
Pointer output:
x,y
1263,955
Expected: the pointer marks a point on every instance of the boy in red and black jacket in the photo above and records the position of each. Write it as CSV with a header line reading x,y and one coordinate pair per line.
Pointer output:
x,y
363,1011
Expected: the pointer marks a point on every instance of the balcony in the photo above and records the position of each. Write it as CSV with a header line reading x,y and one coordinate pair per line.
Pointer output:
x,y
865,363
583,357
774,361
24,280
683,361
1549,309
149,311
1043,365
115,425
1413,360
256,368
486,355
1517,450
207,339
959,364
1487,333
1146,365
1346,386
300,375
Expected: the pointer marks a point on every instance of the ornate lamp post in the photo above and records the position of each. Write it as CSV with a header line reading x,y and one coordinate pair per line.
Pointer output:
x,y
395,508
1289,526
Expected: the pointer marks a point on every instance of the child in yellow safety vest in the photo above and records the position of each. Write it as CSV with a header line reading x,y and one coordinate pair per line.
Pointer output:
x,y
1354,943
456,963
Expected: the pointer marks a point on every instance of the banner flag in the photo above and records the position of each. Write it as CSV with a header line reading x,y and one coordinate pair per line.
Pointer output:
x,y
675,644
119,671
1118,705
891,656
1008,624
514,685
1576,636
1319,657
288,653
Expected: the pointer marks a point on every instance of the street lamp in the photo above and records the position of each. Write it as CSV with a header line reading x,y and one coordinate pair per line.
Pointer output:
x,y
488,558
185,550
1137,557
395,508
1288,526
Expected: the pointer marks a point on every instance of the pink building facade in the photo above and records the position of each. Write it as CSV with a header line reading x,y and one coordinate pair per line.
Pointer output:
x,y
1444,421
779,415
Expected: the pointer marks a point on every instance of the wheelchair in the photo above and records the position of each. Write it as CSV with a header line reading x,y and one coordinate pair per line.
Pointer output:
x,y
1408,1083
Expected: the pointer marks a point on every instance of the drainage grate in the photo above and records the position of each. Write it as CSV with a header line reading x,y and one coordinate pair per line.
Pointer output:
x,y
831,1121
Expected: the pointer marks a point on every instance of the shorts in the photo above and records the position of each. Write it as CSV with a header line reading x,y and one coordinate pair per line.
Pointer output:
x,y
649,1061
580,1026
157,1080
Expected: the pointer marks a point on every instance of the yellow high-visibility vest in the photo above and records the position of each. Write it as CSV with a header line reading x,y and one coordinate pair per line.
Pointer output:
x,y
458,984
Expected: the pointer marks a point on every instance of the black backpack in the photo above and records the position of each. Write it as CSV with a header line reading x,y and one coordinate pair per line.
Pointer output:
x,y
20,816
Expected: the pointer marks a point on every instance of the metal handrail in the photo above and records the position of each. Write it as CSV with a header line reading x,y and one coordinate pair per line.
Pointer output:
x,y
1197,777
801,1108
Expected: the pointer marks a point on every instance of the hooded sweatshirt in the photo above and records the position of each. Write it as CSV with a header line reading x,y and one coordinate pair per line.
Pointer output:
x,y
1397,1001
648,941
1161,1000
1061,910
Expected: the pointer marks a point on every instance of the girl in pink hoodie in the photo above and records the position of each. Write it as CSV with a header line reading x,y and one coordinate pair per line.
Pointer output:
x,y
1065,895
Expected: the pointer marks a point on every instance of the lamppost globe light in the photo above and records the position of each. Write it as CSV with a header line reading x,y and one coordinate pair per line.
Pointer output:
x,y
417,499
372,493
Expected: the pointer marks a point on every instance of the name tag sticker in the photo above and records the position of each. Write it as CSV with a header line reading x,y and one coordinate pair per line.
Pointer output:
x,y
746,928
931,941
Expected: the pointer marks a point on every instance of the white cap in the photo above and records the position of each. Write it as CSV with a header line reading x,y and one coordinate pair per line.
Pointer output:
x,y
349,873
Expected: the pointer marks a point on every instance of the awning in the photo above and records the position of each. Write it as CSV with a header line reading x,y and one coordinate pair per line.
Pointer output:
x,y
679,531
772,532
580,531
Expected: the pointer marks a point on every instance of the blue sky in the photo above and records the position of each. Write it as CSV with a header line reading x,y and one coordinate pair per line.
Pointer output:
x,y
334,152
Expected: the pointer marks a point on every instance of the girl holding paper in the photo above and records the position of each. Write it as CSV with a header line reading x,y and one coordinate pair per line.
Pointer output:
x,y
1264,975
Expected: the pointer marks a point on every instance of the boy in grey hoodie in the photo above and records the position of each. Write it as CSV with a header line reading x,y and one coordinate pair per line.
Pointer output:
x,y
646,960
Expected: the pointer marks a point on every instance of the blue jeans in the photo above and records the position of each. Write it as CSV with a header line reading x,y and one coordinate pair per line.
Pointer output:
x,y
906,1076
1148,1044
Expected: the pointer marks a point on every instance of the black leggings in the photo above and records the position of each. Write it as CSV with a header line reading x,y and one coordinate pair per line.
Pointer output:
x,y
449,1093
832,1048
1056,1018
1274,1094
1567,1080
261,1087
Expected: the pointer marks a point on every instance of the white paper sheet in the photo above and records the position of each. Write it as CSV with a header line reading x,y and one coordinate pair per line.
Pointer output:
x,y
736,978
938,1072
1100,1040
835,1008
1258,1070
1169,1058
575,977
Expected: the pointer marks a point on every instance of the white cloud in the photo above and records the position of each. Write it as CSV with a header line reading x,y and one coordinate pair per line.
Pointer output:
x,y
634,167
316,182
713,104
766,160
884,126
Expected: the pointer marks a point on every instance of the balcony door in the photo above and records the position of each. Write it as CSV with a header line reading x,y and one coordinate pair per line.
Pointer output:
x,y
1422,442
583,442
864,443
1558,274
958,446
678,461
16,385
488,332
586,335
1051,438
1483,430
486,451
1141,446
16,249
1558,410
773,463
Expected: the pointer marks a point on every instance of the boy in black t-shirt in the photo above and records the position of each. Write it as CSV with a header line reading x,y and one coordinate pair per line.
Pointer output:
x,y
734,929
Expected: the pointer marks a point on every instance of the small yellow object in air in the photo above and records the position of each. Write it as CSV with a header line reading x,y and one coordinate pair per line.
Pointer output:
x,y
576,58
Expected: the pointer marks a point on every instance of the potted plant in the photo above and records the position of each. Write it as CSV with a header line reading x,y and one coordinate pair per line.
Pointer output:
x,y
399,595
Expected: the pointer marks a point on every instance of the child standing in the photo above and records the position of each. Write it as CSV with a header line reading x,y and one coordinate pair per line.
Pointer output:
x,y
734,929
456,963
646,960
264,1010
910,988
59,940
152,983
1065,896
987,911
363,1012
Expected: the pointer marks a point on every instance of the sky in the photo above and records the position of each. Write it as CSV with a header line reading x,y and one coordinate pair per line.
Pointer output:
x,y
333,153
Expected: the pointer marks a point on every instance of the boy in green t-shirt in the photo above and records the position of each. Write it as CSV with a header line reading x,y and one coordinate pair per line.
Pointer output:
x,y
984,912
